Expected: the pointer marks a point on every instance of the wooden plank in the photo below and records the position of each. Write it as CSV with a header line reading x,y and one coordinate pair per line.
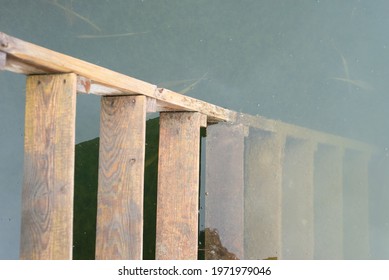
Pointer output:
x,y
328,203
297,200
57,62
53,62
87,86
263,195
47,200
178,186
3,59
17,66
224,189
356,205
121,175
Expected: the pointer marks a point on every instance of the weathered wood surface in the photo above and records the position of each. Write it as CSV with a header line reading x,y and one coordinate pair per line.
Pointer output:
x,y
121,175
356,205
297,200
224,189
47,200
178,185
263,195
328,203
38,59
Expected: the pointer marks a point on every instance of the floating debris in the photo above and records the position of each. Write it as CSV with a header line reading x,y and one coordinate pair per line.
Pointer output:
x,y
345,68
346,79
70,11
192,85
358,83
110,35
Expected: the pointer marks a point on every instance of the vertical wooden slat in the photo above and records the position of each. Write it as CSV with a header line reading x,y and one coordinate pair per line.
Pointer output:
x,y
119,232
356,205
263,205
3,60
224,191
378,203
178,185
297,200
47,200
328,203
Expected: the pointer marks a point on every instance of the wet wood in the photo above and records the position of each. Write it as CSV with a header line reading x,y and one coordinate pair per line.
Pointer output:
x,y
42,59
356,205
263,195
47,199
328,203
224,190
178,186
297,200
121,176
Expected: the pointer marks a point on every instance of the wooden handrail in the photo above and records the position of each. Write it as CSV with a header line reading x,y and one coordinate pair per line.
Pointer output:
x,y
27,58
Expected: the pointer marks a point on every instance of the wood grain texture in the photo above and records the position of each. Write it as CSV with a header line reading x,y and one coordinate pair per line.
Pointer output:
x,y
224,187
178,186
121,175
47,200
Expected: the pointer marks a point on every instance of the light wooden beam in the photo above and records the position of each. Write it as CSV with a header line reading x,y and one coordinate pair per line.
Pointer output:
x,y
47,199
3,59
38,59
178,185
121,175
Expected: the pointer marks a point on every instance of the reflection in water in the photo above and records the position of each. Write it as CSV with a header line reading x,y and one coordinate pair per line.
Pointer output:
x,y
214,249
88,36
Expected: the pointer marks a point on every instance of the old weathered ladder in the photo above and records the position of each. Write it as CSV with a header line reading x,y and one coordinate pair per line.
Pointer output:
x,y
253,166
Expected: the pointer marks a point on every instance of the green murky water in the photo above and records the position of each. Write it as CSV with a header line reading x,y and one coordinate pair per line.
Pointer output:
x,y
318,64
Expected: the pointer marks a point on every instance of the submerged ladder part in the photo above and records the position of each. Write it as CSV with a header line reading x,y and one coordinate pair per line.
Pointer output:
x,y
302,199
